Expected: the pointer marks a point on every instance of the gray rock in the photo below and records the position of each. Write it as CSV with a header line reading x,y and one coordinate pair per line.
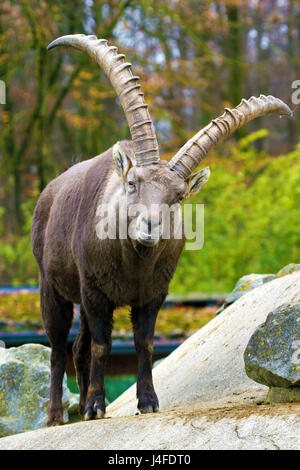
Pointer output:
x,y
251,281
74,399
24,388
283,395
244,285
289,269
272,356
247,283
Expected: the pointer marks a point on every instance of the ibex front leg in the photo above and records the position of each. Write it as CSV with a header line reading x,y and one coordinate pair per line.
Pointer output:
x,y
143,321
99,314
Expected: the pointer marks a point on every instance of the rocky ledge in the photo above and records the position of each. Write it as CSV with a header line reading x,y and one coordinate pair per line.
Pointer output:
x,y
237,422
207,401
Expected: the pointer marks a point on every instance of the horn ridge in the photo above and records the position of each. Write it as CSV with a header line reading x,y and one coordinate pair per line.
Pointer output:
x,y
186,160
132,100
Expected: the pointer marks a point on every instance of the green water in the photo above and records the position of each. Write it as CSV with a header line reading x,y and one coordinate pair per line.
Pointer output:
x,y
114,385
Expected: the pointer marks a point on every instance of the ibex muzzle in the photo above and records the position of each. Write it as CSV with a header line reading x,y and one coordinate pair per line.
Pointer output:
x,y
149,228
102,274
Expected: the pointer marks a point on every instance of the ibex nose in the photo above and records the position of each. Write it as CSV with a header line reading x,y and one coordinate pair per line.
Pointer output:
x,y
149,229
151,223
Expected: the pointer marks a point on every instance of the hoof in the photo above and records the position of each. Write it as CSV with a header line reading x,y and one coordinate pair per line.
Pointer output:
x,y
95,408
149,409
100,414
148,402
55,418
88,415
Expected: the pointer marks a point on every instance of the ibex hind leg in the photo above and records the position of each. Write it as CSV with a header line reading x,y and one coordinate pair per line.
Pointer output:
x,y
82,359
57,315
99,314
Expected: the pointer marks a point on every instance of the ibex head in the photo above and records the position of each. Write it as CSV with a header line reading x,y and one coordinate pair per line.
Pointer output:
x,y
145,178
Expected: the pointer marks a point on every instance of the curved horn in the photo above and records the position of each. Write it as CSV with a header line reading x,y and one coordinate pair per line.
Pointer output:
x,y
189,156
128,90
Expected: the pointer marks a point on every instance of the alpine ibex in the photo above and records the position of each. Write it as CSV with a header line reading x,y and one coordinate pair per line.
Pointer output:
x,y
101,274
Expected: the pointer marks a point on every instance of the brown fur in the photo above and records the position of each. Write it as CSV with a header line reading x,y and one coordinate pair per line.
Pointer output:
x,y
76,267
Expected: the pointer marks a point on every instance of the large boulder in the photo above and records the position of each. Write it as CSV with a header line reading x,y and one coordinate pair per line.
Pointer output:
x,y
24,388
210,364
272,356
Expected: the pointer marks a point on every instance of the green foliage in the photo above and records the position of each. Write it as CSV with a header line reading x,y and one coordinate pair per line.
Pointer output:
x,y
17,264
251,224
21,308
251,220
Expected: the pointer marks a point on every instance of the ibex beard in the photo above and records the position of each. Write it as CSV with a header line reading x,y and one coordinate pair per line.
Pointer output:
x,y
77,265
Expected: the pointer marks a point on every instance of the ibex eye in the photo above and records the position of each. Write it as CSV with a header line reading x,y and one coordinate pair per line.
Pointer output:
x,y
131,185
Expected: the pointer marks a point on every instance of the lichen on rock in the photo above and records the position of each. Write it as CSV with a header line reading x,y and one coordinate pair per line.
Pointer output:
x,y
244,285
289,269
283,395
251,281
272,356
25,388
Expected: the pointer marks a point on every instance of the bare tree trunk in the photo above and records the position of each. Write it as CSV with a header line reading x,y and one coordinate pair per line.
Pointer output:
x,y
234,54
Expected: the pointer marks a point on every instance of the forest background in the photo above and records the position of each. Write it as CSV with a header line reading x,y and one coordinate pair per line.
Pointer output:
x,y
194,58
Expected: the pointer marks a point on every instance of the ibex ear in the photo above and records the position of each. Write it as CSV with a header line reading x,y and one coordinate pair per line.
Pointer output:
x,y
121,161
196,181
